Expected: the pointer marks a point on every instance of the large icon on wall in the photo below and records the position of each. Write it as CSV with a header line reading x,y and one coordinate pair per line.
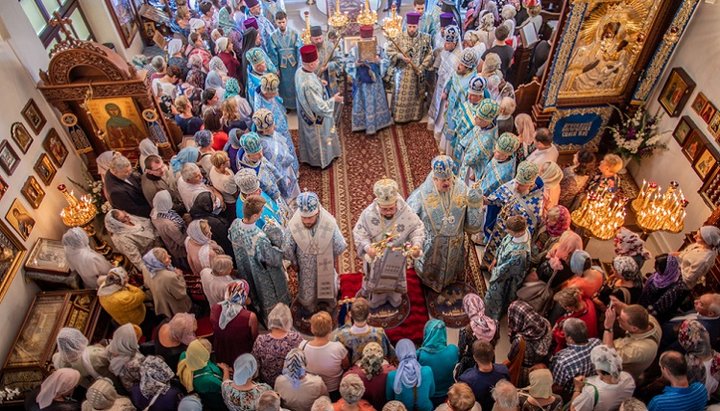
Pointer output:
x,y
120,121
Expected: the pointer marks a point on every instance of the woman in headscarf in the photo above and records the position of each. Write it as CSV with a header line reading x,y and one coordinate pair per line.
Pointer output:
x,y
209,207
157,389
411,384
173,336
617,384
576,177
125,357
54,394
166,284
555,222
147,148
176,56
575,305
526,131
440,356
197,47
200,375
123,301
235,328
184,156
630,244
215,279
236,111
201,249
697,259
196,74
170,226
241,393
625,284
530,339
703,362
216,76
373,370
73,352
538,396
555,270
224,51
551,174
102,396
481,327
131,235
270,349
88,263
352,390
664,291
298,389
588,278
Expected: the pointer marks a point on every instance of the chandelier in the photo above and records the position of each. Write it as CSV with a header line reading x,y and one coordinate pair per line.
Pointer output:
x,y
367,17
656,211
392,25
338,19
602,212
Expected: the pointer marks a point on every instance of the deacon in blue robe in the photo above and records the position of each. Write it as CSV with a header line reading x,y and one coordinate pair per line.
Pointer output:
x,y
456,93
251,156
284,51
249,184
449,209
259,65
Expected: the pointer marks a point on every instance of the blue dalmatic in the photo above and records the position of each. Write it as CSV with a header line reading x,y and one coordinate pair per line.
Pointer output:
x,y
284,49
480,144
275,105
370,110
253,82
456,89
464,124
271,211
266,172
276,152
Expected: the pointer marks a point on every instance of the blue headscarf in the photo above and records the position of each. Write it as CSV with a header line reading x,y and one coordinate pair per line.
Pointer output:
x,y
153,264
244,368
233,139
294,367
408,370
435,336
184,156
203,138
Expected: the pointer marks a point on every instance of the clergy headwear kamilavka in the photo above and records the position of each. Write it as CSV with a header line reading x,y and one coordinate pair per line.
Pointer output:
x,y
251,22
247,181
443,167
507,143
452,34
269,83
309,53
316,31
308,204
468,58
477,86
487,109
263,119
366,32
446,19
413,18
251,3
250,142
526,173
386,192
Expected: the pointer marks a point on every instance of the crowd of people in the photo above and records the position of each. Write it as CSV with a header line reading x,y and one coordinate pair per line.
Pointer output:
x,y
219,230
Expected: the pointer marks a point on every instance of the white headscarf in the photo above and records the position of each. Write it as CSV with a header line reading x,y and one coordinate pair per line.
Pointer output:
x,y
103,162
147,147
195,233
123,348
115,281
196,24
88,263
141,226
221,44
71,344
162,203
174,47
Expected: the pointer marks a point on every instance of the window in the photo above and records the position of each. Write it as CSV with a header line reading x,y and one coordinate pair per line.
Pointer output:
x,y
39,12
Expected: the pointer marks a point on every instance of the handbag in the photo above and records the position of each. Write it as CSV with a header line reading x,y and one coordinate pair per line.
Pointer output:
x,y
538,295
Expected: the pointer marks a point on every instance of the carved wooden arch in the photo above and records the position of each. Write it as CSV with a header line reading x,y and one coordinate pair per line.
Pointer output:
x,y
83,61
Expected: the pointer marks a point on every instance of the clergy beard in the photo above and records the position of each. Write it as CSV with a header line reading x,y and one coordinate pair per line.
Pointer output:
x,y
388,217
445,198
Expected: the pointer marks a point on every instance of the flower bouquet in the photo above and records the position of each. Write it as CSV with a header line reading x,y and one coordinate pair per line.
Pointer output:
x,y
95,189
637,136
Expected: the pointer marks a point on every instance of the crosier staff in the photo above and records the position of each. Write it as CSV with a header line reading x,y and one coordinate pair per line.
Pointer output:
x,y
403,52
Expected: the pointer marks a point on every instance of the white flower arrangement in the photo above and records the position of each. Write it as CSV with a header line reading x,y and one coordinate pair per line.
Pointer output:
x,y
637,136
9,394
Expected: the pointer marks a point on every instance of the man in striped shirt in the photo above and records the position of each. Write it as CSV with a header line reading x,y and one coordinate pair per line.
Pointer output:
x,y
680,395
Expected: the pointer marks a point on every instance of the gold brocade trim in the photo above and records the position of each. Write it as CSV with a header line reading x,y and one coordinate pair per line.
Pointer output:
x,y
572,28
432,200
460,200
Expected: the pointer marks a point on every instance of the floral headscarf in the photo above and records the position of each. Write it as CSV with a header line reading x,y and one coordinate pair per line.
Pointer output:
x,y
235,295
606,359
372,360
483,326
155,376
562,223
294,367
232,88
435,336
626,267
669,276
695,340
630,244
408,370
534,328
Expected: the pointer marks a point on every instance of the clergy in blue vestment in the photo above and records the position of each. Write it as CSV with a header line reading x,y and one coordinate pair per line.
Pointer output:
x,y
521,196
284,51
258,254
251,156
265,26
446,61
249,185
276,151
480,140
370,110
386,234
319,142
270,8
449,209
268,98
476,115
501,167
258,65
330,68
455,93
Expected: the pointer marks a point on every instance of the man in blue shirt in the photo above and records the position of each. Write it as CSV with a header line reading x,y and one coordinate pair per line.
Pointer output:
x,y
483,378
680,395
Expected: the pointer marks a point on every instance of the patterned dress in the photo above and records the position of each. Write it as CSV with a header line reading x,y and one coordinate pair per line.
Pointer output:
x,y
513,256
409,86
277,152
283,51
447,217
259,254
275,105
236,400
370,110
479,151
270,354
506,202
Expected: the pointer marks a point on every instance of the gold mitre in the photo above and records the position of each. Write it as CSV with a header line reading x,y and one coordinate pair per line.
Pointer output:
x,y
386,192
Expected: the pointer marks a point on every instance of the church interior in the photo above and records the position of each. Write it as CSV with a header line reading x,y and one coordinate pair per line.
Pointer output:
x,y
360,205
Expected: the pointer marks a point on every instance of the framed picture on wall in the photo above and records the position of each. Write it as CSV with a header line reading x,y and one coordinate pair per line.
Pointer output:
x,y
693,146
3,187
684,127
699,103
9,159
55,148
714,126
125,19
32,114
19,218
45,169
21,136
705,163
32,192
708,112
676,91
11,255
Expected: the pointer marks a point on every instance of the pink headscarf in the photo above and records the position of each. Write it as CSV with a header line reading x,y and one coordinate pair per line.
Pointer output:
x,y
525,128
568,243
483,327
62,381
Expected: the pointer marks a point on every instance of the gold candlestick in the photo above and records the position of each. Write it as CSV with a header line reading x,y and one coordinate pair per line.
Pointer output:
x,y
306,37
367,17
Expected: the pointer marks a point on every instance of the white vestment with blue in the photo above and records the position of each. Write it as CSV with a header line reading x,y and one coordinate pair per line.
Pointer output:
x,y
319,142
267,173
276,151
445,64
281,123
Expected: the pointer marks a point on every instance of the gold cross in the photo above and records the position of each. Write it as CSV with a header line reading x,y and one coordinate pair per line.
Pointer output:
x,y
58,20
